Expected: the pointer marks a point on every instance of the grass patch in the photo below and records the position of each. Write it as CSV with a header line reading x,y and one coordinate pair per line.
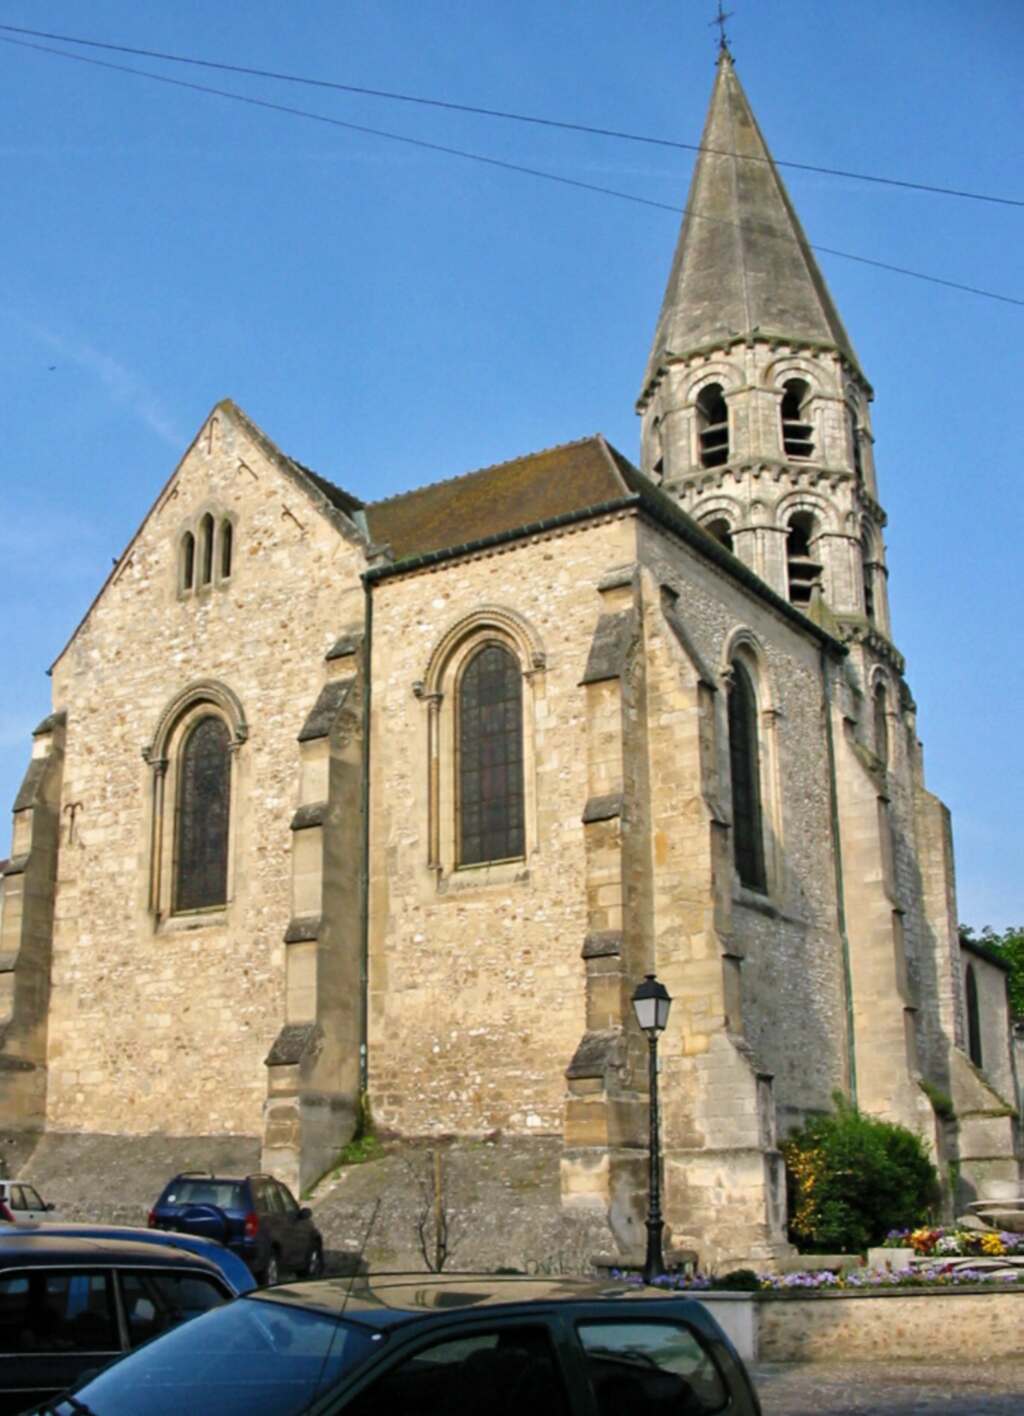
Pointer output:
x,y
359,1150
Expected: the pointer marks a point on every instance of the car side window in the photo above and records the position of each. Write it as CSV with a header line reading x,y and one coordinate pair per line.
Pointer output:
x,y
287,1200
17,1199
501,1372
274,1202
58,1312
645,1365
154,1302
32,1200
262,1202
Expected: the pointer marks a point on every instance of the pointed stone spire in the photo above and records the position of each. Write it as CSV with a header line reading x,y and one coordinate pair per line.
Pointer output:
x,y
743,266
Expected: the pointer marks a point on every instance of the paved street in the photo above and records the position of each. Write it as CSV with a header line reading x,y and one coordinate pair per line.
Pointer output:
x,y
891,1388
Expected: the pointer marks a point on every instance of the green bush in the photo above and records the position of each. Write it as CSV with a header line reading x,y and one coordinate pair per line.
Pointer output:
x,y
852,1178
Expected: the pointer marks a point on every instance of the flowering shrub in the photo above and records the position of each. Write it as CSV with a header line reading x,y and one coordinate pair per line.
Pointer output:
x,y
848,1174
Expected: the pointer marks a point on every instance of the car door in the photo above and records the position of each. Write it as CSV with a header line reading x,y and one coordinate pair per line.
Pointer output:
x,y
484,1369
32,1209
295,1230
638,1364
155,1300
55,1325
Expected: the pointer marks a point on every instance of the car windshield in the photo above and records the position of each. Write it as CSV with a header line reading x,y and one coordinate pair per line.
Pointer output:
x,y
253,1357
225,1194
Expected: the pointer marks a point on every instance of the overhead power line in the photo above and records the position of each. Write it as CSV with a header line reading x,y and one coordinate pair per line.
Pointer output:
x,y
512,117
486,160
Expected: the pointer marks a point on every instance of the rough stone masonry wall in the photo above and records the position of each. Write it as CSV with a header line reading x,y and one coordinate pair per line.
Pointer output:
x,y
165,1028
476,980
793,1004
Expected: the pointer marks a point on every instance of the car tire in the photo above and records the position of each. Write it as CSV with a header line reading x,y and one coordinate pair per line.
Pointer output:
x,y
314,1265
272,1272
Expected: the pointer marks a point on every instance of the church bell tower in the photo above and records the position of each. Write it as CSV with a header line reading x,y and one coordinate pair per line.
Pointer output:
x,y
754,405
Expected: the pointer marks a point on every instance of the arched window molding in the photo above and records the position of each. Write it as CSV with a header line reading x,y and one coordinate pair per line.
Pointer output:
x,y
974,1050
441,690
753,764
175,771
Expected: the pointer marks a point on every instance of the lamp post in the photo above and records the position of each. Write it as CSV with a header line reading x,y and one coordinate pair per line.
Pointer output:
x,y
651,1003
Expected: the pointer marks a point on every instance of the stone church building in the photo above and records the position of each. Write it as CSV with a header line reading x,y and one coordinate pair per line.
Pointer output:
x,y
400,800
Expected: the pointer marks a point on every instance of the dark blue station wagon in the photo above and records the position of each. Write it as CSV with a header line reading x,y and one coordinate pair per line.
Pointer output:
x,y
427,1345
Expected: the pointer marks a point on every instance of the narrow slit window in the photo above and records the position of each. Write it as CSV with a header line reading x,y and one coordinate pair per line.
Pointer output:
x,y
227,535
713,426
973,1018
204,794
868,566
188,561
881,706
858,458
745,766
797,430
490,758
206,549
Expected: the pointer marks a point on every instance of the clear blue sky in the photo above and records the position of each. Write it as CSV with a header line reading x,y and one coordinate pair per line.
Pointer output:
x,y
391,315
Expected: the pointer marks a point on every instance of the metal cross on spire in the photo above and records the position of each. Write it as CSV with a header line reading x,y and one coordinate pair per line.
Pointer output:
x,y
719,20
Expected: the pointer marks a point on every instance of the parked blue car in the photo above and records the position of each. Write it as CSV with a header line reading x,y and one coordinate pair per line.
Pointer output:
x,y
235,1270
254,1216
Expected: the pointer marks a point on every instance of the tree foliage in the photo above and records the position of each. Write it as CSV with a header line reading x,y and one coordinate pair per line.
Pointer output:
x,y
852,1178
1009,945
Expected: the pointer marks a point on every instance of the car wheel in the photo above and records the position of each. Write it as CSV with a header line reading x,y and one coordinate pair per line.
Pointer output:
x,y
314,1265
272,1272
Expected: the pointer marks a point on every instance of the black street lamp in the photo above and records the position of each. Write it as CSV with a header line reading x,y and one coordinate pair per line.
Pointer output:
x,y
651,1003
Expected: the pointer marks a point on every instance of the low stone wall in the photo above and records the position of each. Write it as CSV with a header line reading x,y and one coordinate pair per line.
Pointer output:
x,y
972,1324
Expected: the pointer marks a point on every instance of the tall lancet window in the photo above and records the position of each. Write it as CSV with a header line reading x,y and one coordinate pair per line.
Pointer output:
x,y
797,430
973,1018
204,793
713,426
881,707
490,758
745,766
868,566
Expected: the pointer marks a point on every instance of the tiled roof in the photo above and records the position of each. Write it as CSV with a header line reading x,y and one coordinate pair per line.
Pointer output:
x,y
479,505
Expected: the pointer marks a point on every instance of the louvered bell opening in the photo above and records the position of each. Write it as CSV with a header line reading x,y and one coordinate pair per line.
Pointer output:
x,y
803,573
714,445
797,439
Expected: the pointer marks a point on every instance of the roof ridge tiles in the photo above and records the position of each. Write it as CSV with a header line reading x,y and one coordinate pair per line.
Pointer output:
x,y
489,467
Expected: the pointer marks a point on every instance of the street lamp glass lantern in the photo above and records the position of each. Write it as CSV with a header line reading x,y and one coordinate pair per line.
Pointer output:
x,y
651,1003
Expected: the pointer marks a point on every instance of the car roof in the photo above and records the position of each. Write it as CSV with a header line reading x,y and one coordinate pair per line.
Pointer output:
x,y
385,1300
32,1248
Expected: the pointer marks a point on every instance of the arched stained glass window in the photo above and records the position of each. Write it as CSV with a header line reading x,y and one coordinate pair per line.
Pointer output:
x,y
204,790
490,757
973,1018
745,765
